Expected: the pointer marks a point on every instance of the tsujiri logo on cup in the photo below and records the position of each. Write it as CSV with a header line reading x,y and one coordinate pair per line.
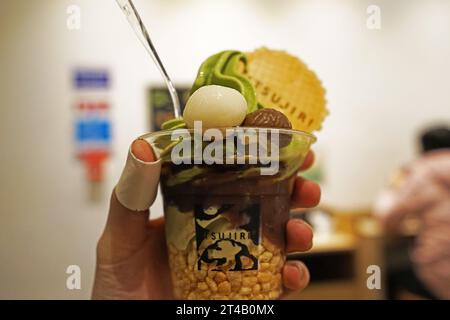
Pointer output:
x,y
240,145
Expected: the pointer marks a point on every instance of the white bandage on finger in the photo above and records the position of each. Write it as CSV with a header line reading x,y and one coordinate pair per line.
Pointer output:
x,y
138,185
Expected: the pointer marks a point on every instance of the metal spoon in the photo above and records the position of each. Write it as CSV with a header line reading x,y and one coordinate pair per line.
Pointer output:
x,y
138,26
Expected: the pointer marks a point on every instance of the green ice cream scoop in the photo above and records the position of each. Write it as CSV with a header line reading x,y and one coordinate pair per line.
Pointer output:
x,y
225,69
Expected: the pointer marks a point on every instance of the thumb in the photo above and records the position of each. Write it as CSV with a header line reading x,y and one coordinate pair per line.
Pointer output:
x,y
127,223
138,184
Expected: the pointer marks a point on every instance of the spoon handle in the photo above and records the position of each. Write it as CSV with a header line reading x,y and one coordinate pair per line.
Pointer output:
x,y
135,21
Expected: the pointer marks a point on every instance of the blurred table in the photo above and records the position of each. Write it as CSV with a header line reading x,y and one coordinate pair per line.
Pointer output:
x,y
338,262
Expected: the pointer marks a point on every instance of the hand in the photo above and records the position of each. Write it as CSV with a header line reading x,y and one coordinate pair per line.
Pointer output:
x,y
132,258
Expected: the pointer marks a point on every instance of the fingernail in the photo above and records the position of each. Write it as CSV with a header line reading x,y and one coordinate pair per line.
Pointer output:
x,y
302,223
295,267
306,224
312,233
299,268
143,151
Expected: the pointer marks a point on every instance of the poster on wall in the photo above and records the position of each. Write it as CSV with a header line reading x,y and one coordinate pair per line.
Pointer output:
x,y
93,136
160,104
92,121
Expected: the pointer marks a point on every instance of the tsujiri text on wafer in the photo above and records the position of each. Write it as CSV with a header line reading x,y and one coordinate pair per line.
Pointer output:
x,y
285,83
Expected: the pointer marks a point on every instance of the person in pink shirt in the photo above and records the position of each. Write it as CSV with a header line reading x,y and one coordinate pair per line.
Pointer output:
x,y
424,193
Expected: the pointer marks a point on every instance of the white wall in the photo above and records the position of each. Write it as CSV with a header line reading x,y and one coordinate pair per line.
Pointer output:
x,y
382,86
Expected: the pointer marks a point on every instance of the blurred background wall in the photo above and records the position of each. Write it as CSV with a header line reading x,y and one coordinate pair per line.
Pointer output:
x,y
382,86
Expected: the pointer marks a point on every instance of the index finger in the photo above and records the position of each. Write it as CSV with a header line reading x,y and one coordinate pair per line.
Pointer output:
x,y
309,160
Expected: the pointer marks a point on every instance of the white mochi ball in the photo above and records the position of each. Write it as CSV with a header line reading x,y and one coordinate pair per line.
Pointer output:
x,y
216,106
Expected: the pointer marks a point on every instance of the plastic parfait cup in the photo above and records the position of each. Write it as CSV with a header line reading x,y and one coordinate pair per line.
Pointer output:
x,y
226,205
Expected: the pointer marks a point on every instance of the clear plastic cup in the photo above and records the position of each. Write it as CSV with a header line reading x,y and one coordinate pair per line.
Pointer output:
x,y
225,222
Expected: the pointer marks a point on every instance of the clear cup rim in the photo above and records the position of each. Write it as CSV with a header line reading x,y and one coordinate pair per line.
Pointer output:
x,y
160,133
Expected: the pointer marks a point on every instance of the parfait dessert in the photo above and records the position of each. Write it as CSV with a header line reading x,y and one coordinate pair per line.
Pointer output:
x,y
228,169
